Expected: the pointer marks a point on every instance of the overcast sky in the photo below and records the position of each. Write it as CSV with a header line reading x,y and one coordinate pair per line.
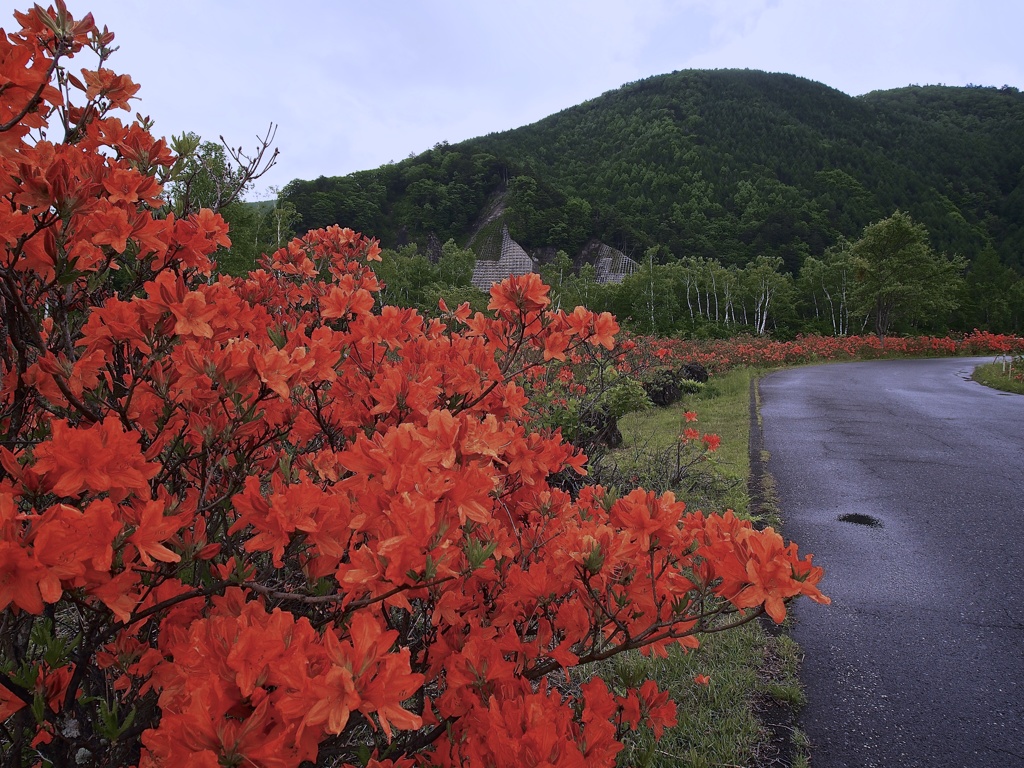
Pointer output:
x,y
353,85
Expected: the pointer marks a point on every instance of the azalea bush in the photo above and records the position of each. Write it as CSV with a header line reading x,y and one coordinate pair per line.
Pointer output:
x,y
261,521
720,355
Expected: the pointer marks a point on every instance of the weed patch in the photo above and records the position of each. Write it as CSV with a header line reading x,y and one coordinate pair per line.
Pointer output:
x,y
1006,376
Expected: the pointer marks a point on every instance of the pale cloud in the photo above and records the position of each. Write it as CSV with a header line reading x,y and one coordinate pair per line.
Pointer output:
x,y
353,85
874,44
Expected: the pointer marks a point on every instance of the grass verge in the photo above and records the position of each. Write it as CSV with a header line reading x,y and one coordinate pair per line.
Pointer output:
x,y
743,717
1000,376
652,456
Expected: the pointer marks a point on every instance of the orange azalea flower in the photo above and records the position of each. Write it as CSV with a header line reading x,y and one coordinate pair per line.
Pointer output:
x,y
578,321
383,694
9,704
192,315
345,299
124,186
461,313
605,328
646,515
213,227
120,594
659,709
332,694
110,226
275,368
519,294
554,346
118,89
99,458
20,575
808,576
152,530
72,543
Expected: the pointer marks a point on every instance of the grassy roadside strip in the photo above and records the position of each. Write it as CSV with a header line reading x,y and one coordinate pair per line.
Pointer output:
x,y
744,716
998,376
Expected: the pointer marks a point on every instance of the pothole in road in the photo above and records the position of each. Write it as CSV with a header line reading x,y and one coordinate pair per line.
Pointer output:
x,y
860,519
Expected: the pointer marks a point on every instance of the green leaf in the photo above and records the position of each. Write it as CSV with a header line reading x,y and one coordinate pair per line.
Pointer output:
x,y
478,551
111,727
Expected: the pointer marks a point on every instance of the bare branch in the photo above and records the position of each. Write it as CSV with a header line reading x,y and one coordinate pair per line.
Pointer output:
x,y
250,167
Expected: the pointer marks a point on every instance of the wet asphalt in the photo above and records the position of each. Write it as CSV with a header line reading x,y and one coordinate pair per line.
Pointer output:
x,y
919,661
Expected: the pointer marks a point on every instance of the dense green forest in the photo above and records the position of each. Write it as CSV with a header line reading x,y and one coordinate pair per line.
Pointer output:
x,y
724,166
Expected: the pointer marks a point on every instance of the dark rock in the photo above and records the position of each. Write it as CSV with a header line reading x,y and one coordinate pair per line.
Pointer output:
x,y
605,429
693,372
662,386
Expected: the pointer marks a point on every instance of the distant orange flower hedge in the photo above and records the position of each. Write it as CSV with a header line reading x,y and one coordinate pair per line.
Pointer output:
x,y
720,355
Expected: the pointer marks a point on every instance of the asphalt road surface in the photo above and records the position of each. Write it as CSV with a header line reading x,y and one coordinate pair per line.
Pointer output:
x,y
919,661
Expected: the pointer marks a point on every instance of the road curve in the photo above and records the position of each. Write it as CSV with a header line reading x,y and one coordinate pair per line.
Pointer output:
x,y
919,661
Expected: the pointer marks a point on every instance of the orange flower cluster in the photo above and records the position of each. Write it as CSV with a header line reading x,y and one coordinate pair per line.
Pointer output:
x,y
241,685
264,520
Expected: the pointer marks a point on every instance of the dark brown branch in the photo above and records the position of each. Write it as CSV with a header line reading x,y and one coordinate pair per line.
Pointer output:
x,y
17,690
329,599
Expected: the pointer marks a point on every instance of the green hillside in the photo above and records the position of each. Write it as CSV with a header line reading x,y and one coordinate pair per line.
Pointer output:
x,y
725,164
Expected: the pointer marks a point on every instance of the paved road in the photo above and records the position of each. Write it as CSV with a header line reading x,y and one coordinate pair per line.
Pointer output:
x,y
919,661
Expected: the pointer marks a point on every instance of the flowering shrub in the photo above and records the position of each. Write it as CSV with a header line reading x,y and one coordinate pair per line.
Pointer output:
x,y
256,521
719,355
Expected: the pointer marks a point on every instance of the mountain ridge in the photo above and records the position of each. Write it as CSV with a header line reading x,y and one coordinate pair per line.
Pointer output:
x,y
729,164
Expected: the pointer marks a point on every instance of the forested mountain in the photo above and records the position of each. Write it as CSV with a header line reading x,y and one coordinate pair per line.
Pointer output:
x,y
725,164
742,194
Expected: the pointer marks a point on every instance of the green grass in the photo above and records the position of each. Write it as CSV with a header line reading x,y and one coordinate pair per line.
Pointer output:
x,y
652,455
716,723
752,672
1001,377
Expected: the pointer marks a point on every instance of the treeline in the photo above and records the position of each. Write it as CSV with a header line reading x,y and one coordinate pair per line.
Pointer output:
x,y
436,196
889,280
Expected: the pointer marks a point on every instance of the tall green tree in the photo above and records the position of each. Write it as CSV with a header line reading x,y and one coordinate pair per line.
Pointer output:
x,y
826,285
770,291
405,274
214,176
988,294
203,176
257,228
899,279
558,274
648,300
455,267
410,279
